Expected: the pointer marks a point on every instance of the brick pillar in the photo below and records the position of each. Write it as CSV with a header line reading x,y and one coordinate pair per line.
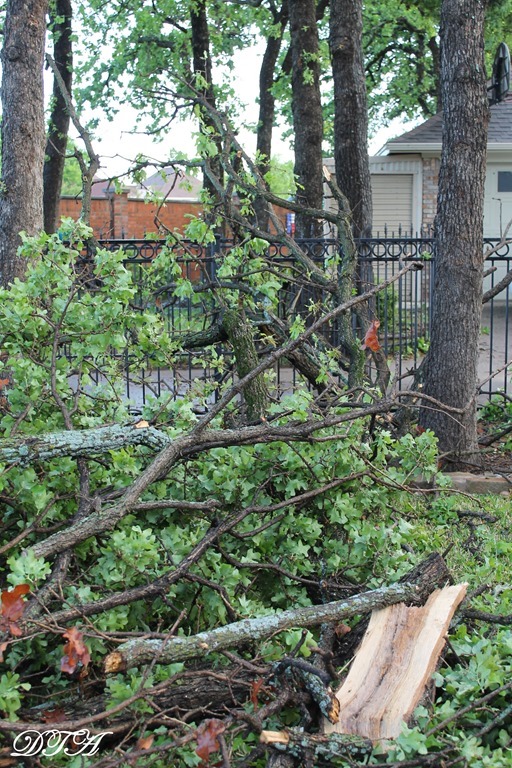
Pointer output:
x,y
120,215
430,184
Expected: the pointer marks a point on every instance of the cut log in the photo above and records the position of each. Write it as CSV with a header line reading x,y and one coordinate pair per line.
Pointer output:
x,y
398,655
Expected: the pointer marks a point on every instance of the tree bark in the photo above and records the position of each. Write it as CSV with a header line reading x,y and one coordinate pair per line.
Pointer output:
x,y
351,143
351,112
86,442
21,188
307,113
451,364
198,690
296,743
202,65
241,336
56,143
88,169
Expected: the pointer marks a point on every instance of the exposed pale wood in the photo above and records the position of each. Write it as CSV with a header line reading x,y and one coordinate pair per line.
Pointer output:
x,y
428,575
274,737
398,655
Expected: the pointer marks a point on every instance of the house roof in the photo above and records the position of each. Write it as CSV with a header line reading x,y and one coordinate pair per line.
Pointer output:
x,y
428,135
174,185
167,183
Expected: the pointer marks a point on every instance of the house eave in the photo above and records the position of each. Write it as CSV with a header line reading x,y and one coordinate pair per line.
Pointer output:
x,y
504,146
398,147
434,148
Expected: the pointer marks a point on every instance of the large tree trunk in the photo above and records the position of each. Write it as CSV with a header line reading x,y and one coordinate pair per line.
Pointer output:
x,y
351,112
451,365
59,119
267,110
21,189
351,144
307,112
202,65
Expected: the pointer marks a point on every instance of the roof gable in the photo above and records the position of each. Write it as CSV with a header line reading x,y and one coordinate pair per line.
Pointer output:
x,y
430,133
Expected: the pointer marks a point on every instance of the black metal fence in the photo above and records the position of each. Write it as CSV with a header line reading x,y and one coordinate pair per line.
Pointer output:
x,y
403,308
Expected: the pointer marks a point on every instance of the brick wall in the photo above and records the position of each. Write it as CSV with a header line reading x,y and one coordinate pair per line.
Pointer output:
x,y
122,218
431,167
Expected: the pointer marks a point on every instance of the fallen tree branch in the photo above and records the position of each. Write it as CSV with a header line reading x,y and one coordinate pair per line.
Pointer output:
x,y
296,743
196,440
185,691
147,592
323,695
489,618
139,651
25,449
182,447
155,588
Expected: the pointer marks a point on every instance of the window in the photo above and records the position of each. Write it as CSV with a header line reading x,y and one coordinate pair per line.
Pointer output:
x,y
504,181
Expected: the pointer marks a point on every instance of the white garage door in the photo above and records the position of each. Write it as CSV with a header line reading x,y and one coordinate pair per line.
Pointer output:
x,y
392,202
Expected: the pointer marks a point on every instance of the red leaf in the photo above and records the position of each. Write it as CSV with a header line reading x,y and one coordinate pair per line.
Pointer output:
x,y
370,340
145,742
3,383
76,655
342,629
207,737
12,608
256,687
3,646
12,605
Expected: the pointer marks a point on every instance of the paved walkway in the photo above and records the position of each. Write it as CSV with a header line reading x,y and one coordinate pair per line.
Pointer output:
x,y
495,347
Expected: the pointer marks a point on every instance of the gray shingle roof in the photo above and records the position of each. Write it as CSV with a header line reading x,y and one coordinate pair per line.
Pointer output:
x,y
168,183
430,132
174,185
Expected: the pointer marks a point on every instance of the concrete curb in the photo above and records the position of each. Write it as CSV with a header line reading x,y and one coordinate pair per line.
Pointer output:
x,y
485,483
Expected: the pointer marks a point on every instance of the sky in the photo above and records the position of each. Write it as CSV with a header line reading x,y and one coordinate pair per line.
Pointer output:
x,y
117,145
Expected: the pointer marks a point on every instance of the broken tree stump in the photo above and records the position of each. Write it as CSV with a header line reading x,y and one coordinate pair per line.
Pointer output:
x,y
398,655
429,574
